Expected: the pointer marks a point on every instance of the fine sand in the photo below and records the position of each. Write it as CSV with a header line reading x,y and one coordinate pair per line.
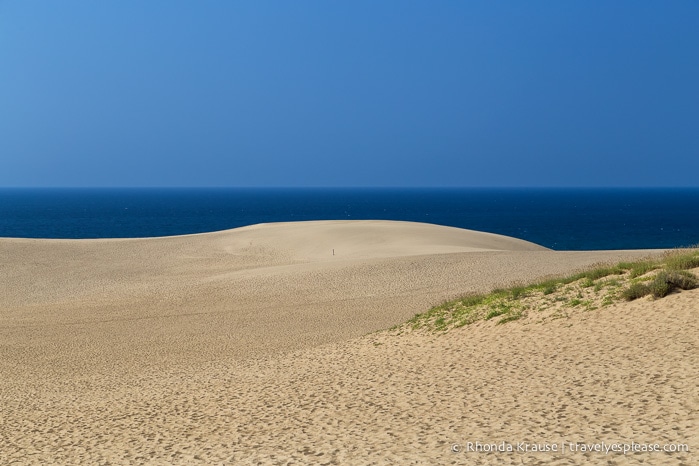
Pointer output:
x,y
257,346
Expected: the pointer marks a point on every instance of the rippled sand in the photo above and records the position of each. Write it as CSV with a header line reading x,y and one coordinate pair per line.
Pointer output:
x,y
253,346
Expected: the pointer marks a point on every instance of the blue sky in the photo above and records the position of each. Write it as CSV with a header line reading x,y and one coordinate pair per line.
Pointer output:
x,y
360,93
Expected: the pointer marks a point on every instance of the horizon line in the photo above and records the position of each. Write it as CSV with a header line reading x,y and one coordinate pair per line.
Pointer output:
x,y
350,187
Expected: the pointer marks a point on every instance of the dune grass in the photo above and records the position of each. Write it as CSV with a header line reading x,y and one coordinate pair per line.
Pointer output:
x,y
553,298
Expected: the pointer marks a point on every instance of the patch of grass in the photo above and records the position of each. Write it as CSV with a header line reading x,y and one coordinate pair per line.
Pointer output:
x,y
637,269
587,282
682,260
472,300
462,322
441,323
518,292
495,313
460,311
513,303
661,285
682,279
601,272
509,318
547,287
635,291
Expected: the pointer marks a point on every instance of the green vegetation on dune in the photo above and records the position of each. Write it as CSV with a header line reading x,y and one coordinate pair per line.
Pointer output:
x,y
661,285
555,298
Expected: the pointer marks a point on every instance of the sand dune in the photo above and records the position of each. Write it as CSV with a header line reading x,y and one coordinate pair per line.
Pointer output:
x,y
248,346
370,239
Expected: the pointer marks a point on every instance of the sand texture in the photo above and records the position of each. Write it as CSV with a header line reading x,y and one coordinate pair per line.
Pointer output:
x,y
257,346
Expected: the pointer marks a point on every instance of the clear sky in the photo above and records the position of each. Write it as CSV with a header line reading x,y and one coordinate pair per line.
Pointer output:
x,y
350,93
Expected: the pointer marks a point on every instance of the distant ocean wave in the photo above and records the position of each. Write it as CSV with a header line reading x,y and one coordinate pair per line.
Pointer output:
x,y
562,219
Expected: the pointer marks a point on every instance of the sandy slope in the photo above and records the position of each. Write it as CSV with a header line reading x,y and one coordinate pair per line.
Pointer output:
x,y
246,346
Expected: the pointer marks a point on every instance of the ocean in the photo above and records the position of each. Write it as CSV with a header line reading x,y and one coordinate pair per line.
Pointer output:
x,y
561,219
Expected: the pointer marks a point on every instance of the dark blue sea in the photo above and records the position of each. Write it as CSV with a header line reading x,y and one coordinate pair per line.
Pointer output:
x,y
562,219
